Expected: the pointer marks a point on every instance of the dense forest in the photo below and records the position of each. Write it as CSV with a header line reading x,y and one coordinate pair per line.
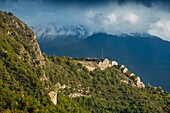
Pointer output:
x,y
27,78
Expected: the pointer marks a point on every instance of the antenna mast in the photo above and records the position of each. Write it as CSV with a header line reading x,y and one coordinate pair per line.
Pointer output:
x,y
102,52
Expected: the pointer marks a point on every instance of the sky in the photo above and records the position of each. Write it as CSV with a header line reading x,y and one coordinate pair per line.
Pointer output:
x,y
112,16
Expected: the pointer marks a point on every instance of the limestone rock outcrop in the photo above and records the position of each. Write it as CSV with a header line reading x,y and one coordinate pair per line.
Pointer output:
x,y
53,96
54,92
74,95
139,83
106,63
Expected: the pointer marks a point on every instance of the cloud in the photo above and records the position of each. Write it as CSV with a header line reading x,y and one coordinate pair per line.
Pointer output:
x,y
120,16
117,19
112,18
132,18
161,29
87,3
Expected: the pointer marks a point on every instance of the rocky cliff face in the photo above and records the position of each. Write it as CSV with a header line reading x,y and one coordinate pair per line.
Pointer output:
x,y
24,36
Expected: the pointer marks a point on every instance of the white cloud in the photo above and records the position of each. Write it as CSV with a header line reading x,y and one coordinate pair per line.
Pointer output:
x,y
161,29
120,19
131,17
112,18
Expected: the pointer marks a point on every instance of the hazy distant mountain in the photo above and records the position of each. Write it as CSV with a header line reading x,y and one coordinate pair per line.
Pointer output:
x,y
146,55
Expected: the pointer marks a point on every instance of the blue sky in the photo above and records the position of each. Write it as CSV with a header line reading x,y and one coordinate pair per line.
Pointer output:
x,y
112,16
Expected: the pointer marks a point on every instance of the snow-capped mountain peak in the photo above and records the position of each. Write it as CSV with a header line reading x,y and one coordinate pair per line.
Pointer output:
x,y
53,31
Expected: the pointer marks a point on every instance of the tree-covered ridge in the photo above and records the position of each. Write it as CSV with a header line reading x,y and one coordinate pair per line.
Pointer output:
x,y
109,94
27,77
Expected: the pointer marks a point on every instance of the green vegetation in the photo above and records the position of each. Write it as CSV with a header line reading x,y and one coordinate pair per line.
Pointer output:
x,y
21,90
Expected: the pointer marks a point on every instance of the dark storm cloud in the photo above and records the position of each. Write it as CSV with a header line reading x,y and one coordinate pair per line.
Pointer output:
x,y
147,3
87,3
113,16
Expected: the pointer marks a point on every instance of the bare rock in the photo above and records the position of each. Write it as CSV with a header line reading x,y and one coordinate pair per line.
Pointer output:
x,y
105,64
139,83
53,96
88,64
125,81
43,78
74,95
114,63
90,68
125,70
132,74
122,66
53,93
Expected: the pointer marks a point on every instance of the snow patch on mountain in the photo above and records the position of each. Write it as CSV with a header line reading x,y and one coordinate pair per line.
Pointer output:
x,y
136,35
53,31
